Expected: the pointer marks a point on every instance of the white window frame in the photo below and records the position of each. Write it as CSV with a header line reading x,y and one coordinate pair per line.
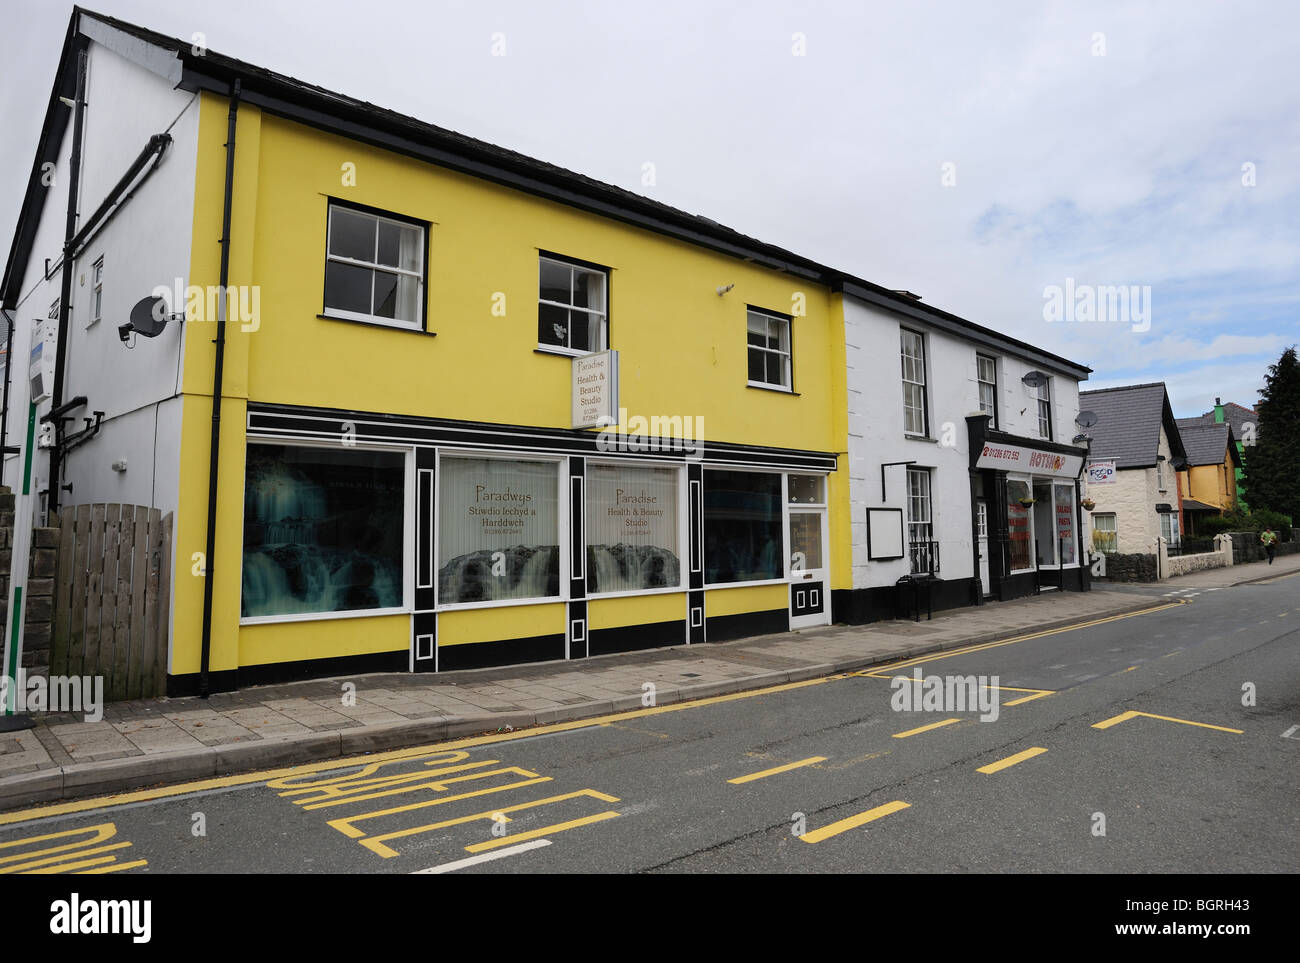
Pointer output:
x,y
408,534
1055,483
1160,474
603,315
374,266
683,526
915,525
96,290
1113,520
992,385
1170,529
1043,394
918,363
787,365
561,464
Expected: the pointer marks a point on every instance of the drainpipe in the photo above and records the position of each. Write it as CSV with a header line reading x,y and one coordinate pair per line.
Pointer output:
x,y
220,342
65,295
4,414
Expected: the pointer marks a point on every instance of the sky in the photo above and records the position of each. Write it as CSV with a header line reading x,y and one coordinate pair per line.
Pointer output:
x,y
1011,162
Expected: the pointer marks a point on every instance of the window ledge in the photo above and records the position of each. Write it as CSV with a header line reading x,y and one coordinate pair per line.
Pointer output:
x,y
927,438
777,388
377,324
563,352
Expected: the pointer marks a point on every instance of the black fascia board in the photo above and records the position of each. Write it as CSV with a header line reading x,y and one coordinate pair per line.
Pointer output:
x,y
55,127
1006,438
968,330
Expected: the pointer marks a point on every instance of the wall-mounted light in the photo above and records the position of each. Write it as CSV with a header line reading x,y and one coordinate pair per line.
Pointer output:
x,y
725,288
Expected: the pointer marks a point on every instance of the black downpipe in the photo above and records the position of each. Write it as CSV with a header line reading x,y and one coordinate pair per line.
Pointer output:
x,y
220,342
65,295
4,414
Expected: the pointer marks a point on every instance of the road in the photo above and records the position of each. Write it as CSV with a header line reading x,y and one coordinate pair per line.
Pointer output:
x,y
1165,742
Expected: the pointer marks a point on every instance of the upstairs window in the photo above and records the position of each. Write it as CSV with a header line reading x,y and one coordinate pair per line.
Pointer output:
x,y
914,413
1044,392
96,290
572,308
374,268
987,374
769,350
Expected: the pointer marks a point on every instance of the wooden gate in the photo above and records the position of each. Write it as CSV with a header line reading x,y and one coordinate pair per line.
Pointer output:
x,y
111,598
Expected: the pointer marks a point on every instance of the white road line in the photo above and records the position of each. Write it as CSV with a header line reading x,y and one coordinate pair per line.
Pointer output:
x,y
1290,733
482,857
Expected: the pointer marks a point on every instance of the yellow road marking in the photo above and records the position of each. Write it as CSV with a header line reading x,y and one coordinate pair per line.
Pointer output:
x,y
544,831
779,769
933,725
1125,716
1130,668
249,778
853,822
1010,761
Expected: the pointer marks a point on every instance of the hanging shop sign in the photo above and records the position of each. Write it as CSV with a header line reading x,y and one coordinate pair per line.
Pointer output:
x,y
595,390
1029,460
1101,472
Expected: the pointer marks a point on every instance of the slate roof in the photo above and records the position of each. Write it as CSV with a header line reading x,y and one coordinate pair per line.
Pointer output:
x,y
1235,415
1128,424
1206,444
1192,505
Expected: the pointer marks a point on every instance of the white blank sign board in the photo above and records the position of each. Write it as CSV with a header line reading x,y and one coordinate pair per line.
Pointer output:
x,y
884,533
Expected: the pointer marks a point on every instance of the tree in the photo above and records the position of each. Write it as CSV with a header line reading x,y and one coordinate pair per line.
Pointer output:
x,y
1272,469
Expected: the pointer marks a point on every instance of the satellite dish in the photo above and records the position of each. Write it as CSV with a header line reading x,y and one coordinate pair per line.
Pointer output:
x,y
1086,419
1035,379
150,316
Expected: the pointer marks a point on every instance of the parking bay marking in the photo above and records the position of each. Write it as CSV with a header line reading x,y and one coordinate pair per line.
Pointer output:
x,y
775,771
1131,714
853,822
1010,761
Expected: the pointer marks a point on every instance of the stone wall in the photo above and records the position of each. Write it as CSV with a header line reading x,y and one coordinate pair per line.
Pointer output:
x,y
1246,547
1130,567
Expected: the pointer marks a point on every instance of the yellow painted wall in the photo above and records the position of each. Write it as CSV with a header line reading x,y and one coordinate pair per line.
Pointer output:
x,y
683,352
636,610
503,622
1212,484
755,598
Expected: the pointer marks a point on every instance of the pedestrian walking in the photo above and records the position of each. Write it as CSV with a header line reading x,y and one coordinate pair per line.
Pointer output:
x,y
1268,538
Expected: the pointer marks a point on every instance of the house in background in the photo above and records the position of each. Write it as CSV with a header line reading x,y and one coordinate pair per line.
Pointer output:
x,y
1209,479
1245,431
1139,499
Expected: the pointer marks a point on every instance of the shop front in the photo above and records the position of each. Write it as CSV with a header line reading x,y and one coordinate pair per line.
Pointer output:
x,y
1025,503
449,545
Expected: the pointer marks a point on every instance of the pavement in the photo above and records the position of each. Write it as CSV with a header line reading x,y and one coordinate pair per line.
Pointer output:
x,y
156,741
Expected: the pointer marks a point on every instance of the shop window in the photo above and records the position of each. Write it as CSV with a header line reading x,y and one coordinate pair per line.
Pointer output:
x,y
632,529
987,373
1019,528
913,354
1065,539
1104,533
769,350
572,307
323,530
374,268
742,527
498,530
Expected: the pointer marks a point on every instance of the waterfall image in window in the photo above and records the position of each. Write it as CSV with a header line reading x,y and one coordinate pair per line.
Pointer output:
x,y
323,530
632,529
498,535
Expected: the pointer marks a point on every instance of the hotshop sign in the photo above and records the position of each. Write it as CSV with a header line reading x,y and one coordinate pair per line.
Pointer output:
x,y
1030,460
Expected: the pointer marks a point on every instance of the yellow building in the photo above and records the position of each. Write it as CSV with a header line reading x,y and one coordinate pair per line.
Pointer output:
x,y
1208,479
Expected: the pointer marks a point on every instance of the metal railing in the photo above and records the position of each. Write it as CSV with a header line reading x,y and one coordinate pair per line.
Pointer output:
x,y
924,557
